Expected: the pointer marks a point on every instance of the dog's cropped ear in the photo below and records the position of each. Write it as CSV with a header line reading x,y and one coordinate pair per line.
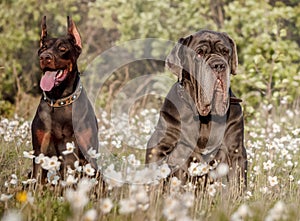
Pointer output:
x,y
234,56
44,31
175,60
73,32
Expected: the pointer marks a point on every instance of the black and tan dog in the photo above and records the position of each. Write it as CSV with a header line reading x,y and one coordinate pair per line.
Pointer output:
x,y
201,120
64,114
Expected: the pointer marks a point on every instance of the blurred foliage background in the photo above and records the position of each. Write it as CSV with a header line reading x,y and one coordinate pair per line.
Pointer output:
x,y
267,34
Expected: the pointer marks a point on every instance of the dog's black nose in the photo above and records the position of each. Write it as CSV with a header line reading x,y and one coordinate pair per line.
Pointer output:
x,y
46,57
218,66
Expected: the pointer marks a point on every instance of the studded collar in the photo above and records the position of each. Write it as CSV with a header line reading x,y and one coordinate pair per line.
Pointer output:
x,y
65,100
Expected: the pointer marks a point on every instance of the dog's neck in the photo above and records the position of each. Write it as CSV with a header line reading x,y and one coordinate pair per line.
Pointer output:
x,y
66,88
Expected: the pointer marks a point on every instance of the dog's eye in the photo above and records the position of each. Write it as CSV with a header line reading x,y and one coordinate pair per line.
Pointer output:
x,y
62,48
225,52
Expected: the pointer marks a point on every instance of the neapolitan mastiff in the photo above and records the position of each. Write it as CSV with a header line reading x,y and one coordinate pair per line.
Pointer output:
x,y
201,120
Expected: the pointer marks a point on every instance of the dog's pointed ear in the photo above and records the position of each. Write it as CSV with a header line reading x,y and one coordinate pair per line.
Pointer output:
x,y
44,31
234,56
175,60
72,31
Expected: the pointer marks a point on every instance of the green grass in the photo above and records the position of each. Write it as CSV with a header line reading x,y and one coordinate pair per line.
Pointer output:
x,y
272,139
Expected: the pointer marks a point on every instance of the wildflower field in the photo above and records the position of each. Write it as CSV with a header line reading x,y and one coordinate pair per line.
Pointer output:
x,y
135,192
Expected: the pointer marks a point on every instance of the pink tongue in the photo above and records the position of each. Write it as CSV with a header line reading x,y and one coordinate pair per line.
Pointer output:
x,y
48,80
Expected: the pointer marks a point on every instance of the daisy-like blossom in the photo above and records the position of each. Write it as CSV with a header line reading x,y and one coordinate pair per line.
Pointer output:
x,y
133,161
242,213
89,170
264,190
12,215
70,147
90,215
13,180
278,212
29,181
139,193
52,177
268,165
106,205
77,166
173,208
127,206
175,183
93,153
256,170
198,169
39,159
51,163
112,177
29,154
5,197
194,169
164,170
188,199
221,170
77,199
69,181
85,185
211,190
291,178
273,180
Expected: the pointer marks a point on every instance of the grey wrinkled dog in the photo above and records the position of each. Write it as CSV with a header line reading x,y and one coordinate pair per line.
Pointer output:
x,y
201,120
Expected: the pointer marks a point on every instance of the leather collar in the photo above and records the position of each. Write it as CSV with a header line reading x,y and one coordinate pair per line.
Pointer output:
x,y
65,100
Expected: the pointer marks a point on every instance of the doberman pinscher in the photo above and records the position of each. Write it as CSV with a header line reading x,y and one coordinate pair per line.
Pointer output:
x,y
64,114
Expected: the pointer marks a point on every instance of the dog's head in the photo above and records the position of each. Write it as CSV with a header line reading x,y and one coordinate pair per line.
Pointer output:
x,y
203,63
58,56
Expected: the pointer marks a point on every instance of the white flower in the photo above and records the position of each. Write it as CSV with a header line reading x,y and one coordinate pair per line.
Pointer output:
x,y
211,190
164,170
85,185
12,215
112,177
90,215
40,159
77,199
28,154
188,199
291,178
89,170
273,180
69,181
194,169
5,197
14,179
127,206
198,169
77,166
133,161
277,212
29,181
221,171
93,153
51,163
69,148
241,214
264,190
139,193
106,205
52,177
175,183
173,208
268,165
